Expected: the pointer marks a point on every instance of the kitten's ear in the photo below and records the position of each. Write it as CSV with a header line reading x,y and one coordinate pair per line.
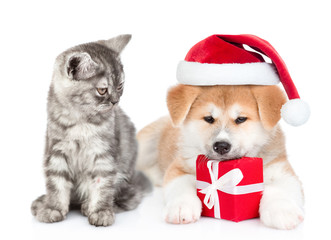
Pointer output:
x,y
117,43
80,66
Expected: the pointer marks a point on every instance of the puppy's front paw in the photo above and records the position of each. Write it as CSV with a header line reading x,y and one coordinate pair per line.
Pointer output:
x,y
281,214
102,218
185,209
49,215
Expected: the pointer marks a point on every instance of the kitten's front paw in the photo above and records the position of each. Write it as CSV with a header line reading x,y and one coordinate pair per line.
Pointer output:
x,y
185,209
281,214
49,215
84,209
37,205
102,218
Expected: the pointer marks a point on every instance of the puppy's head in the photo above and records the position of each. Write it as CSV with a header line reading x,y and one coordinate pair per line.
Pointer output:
x,y
224,122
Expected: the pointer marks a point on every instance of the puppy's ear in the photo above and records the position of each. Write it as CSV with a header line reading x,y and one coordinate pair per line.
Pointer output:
x,y
179,100
80,66
270,100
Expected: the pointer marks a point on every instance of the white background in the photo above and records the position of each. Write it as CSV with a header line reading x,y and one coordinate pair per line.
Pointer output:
x,y
33,33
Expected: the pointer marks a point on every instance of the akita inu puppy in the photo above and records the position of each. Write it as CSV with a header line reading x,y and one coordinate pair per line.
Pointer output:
x,y
221,122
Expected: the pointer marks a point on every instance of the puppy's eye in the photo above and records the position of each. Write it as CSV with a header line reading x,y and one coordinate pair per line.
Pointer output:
x,y
102,91
240,120
209,119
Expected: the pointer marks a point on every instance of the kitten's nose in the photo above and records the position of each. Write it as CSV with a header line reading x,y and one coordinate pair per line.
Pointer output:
x,y
114,99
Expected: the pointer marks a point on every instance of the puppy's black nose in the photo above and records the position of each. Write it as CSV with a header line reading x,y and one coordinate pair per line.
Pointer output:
x,y
222,147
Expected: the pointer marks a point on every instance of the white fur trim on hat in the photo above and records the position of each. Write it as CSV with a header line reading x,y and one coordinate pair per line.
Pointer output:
x,y
194,73
295,112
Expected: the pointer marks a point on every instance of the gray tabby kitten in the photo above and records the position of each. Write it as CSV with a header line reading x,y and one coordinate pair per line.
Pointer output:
x,y
91,146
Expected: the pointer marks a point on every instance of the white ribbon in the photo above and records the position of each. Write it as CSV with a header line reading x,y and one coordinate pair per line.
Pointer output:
x,y
227,183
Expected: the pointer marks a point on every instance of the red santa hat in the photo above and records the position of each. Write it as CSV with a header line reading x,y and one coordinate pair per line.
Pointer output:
x,y
223,60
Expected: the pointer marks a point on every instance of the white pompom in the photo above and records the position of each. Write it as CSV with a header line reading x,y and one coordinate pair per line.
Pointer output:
x,y
295,112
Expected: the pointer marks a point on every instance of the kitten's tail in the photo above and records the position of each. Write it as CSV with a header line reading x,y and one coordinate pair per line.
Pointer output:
x,y
130,194
141,183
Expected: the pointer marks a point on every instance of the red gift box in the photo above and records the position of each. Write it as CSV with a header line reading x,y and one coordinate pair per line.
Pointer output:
x,y
230,189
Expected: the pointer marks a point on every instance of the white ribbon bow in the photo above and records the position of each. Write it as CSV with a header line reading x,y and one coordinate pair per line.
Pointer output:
x,y
227,183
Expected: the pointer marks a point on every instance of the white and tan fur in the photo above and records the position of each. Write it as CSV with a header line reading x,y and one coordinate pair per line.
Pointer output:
x,y
168,148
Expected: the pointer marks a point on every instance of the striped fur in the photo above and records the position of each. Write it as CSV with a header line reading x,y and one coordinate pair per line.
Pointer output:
x,y
91,147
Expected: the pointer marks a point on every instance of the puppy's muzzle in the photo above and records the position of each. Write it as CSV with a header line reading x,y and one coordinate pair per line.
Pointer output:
x,y
222,147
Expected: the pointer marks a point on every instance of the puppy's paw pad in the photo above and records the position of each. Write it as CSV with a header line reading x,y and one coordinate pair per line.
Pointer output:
x,y
49,215
102,218
281,214
182,211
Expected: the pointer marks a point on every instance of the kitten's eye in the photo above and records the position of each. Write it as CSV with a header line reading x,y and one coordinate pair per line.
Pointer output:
x,y
120,86
240,120
209,119
102,91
